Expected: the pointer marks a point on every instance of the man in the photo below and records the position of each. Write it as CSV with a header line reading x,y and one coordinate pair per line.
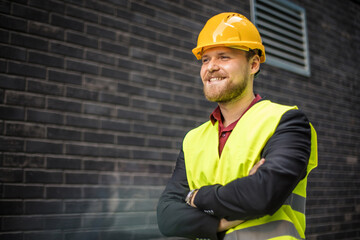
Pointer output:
x,y
243,174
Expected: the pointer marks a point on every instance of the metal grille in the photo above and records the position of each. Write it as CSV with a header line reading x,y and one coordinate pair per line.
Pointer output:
x,y
282,26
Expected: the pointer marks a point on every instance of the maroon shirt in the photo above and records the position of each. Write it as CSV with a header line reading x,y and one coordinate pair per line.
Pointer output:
x,y
224,132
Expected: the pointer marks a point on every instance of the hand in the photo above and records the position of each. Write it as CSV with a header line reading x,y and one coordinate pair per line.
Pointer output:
x,y
225,224
256,166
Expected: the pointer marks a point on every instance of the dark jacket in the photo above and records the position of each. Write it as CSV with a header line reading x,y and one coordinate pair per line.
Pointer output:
x,y
286,153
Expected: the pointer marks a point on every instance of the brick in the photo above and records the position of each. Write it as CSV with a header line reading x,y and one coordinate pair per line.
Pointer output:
x,y
14,53
159,94
43,235
183,55
12,113
142,9
11,207
67,22
76,149
99,165
113,152
11,236
43,207
22,130
12,23
129,114
62,222
143,32
29,41
170,62
5,7
136,78
181,33
169,40
66,50
132,141
33,176
64,105
81,178
98,6
48,5
23,191
63,134
29,13
150,180
22,223
27,70
63,192
153,142
43,116
23,99
141,128
81,93
149,155
114,23
46,59
12,82
43,147
140,54
112,98
159,119
114,73
100,32
125,88
114,48
17,160
100,58
156,71
98,137
82,13
82,67
63,163
115,125
65,77
82,122
81,39
82,206
157,25
158,48
11,175
172,132
146,104
4,36
98,109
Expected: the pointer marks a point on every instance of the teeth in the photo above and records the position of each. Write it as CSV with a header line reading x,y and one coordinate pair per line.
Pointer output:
x,y
215,79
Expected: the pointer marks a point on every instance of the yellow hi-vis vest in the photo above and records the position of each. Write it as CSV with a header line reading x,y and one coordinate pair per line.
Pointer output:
x,y
241,152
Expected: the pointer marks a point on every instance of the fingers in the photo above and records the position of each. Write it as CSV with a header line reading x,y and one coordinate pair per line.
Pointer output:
x,y
256,166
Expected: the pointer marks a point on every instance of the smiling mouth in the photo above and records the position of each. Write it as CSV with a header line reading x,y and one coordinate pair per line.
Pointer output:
x,y
216,79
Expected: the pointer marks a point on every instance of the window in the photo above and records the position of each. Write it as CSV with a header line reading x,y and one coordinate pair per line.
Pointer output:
x,y
282,26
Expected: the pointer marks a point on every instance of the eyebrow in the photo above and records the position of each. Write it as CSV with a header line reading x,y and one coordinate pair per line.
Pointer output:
x,y
218,54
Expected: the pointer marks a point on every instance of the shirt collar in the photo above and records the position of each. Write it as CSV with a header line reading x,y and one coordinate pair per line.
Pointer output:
x,y
217,116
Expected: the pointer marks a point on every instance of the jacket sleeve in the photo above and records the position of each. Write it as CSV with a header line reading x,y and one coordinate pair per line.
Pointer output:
x,y
286,156
175,217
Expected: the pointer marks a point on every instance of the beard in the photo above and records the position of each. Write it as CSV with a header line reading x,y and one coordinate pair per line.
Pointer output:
x,y
228,93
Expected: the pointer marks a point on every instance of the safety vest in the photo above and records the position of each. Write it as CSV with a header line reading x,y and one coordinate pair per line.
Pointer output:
x,y
241,152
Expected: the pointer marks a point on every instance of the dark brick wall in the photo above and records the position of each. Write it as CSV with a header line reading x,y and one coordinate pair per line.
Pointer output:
x,y
95,97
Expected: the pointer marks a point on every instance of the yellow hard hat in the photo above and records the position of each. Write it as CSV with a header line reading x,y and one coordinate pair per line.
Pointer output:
x,y
230,30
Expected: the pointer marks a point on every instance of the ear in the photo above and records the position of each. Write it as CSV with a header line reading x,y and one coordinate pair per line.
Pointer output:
x,y
254,64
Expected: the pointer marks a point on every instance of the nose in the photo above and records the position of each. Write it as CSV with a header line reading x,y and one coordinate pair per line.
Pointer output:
x,y
212,65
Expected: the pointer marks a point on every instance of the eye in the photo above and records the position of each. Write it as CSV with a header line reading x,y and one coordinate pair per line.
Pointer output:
x,y
224,57
204,60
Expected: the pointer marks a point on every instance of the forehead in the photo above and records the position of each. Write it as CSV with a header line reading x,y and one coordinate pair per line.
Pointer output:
x,y
221,50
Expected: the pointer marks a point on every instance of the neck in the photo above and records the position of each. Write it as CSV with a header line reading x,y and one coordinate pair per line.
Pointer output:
x,y
232,111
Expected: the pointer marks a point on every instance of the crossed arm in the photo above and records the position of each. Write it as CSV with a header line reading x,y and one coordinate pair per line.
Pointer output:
x,y
286,153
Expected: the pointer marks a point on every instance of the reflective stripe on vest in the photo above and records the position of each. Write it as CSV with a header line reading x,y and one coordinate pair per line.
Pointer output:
x,y
265,231
296,202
